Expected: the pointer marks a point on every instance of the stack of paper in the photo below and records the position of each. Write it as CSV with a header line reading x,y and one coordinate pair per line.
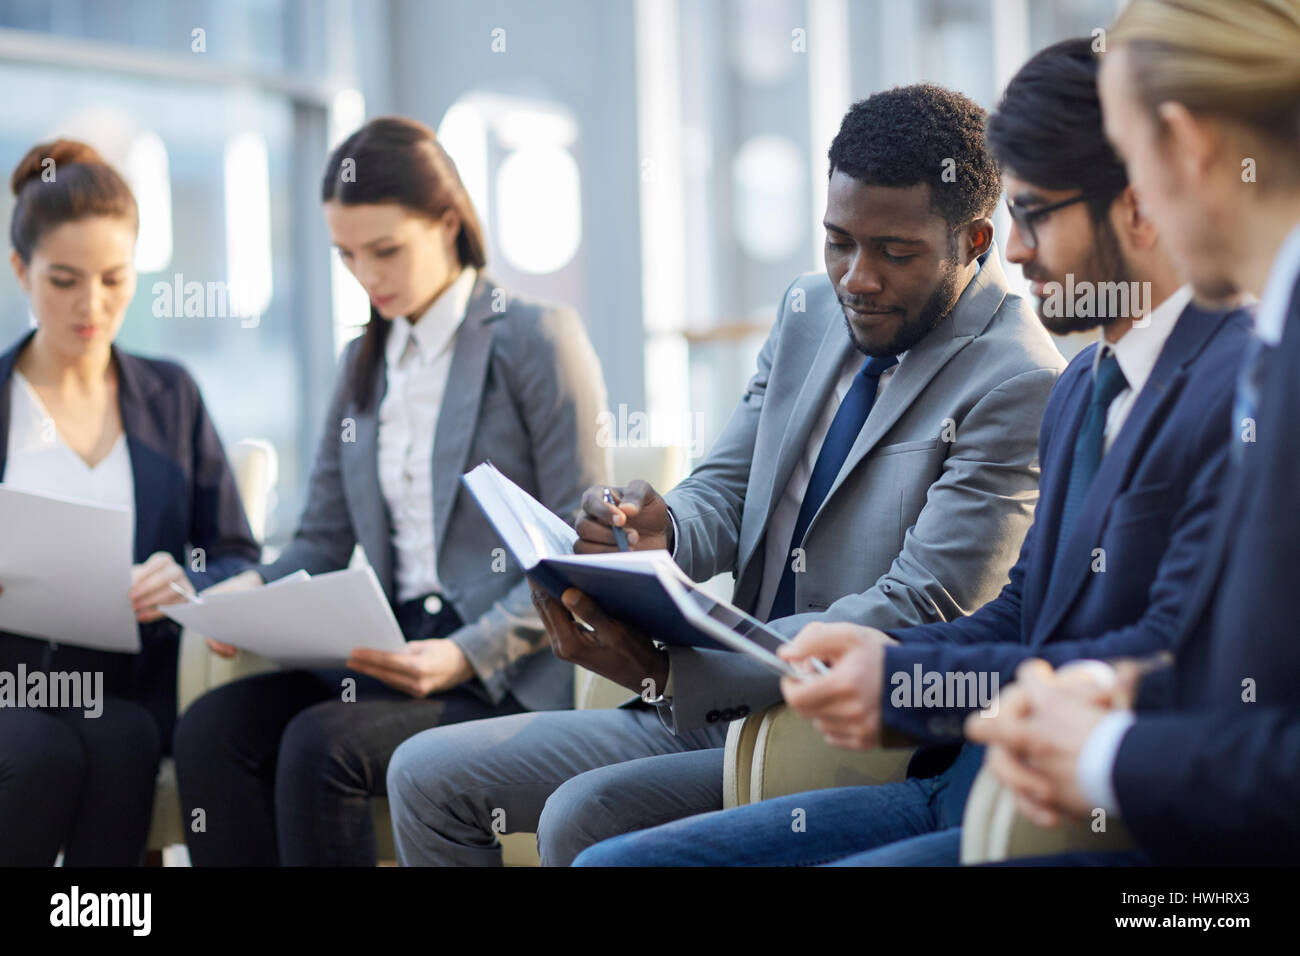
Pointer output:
x,y
299,620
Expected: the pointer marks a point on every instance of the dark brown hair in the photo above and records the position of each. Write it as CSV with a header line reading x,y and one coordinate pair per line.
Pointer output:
x,y
394,159
60,182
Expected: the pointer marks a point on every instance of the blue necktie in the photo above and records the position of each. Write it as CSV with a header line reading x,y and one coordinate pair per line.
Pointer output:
x,y
848,421
1108,382
1246,401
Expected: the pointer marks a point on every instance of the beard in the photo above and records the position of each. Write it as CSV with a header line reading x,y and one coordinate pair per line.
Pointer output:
x,y
1105,263
935,309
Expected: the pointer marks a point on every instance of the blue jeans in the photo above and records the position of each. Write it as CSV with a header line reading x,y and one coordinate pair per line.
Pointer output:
x,y
913,823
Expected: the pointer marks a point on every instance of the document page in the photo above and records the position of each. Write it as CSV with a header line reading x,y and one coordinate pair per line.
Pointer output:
x,y
65,567
301,621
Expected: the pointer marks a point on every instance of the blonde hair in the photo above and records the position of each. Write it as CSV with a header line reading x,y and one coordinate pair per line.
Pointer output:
x,y
1236,60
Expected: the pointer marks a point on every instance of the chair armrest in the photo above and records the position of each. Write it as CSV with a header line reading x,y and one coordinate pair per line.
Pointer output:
x,y
777,752
738,760
994,830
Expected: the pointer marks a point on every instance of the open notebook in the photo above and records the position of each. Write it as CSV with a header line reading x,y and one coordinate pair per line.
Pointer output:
x,y
645,588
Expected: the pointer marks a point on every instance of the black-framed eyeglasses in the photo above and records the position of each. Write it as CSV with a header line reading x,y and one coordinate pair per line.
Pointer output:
x,y
1025,218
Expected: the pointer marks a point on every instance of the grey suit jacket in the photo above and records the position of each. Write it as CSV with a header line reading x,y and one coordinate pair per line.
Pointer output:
x,y
525,390
927,515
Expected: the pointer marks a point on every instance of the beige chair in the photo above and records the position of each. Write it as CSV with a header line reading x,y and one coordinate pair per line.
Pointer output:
x,y
254,465
776,752
993,830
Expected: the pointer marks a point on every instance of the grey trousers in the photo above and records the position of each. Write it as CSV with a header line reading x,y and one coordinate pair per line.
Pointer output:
x,y
576,777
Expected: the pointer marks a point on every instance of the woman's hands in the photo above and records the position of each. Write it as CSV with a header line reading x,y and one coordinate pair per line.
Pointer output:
x,y
151,586
423,668
242,581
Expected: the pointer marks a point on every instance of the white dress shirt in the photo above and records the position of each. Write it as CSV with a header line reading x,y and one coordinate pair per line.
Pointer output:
x,y
40,461
1277,292
418,361
1137,352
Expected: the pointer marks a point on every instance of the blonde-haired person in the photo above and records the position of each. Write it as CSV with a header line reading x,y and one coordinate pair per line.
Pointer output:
x,y
127,431
1201,760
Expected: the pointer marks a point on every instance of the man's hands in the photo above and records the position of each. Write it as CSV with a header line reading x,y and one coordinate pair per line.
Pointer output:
x,y
151,586
844,703
612,649
1039,727
640,512
422,668
236,582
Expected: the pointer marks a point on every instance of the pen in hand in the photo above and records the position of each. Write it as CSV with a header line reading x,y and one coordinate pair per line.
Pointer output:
x,y
184,592
620,536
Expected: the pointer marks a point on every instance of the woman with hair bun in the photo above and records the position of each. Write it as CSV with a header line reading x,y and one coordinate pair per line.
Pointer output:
x,y
80,418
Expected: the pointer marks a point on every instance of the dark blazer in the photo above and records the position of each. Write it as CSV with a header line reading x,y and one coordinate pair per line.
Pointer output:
x,y
1210,772
525,390
1150,509
185,498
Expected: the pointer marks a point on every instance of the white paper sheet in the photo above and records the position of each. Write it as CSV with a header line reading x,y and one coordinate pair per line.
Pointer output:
x,y
299,621
65,567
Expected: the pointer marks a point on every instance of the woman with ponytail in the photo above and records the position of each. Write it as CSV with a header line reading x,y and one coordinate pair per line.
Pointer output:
x,y
80,418
452,370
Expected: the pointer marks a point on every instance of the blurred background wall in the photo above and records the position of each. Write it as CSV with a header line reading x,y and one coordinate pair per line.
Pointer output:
x,y
657,164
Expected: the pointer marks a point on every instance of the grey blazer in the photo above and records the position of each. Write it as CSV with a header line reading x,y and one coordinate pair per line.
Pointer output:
x,y
525,390
926,517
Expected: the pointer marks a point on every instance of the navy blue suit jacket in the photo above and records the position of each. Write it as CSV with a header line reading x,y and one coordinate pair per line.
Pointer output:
x,y
185,498
1149,509
1213,775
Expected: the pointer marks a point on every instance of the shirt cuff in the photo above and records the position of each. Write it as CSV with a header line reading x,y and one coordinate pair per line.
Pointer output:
x,y
1094,771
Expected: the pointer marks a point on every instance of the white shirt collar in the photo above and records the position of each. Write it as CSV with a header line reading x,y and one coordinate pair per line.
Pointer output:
x,y
1139,348
1277,292
434,330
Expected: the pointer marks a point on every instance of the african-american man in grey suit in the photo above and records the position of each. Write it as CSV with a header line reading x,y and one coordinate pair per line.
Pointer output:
x,y
887,473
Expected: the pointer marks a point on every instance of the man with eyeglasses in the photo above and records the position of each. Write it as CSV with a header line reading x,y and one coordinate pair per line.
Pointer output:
x,y
1134,446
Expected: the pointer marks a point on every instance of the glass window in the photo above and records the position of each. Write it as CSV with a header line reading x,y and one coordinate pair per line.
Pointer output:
x,y
251,33
215,281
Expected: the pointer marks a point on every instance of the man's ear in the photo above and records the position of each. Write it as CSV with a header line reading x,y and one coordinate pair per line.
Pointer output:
x,y
976,239
1192,142
1128,219
20,271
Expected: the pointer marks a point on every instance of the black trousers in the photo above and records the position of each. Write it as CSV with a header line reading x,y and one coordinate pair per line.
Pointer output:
x,y
283,769
83,784
69,781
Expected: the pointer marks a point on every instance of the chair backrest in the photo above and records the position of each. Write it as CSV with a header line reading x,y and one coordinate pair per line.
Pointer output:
x,y
994,830
255,466
661,465
593,692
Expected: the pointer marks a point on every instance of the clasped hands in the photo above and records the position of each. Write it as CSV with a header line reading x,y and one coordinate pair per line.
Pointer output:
x,y
1039,726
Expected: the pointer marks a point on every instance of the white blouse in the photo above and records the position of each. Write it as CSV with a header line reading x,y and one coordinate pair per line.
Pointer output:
x,y
40,461
418,359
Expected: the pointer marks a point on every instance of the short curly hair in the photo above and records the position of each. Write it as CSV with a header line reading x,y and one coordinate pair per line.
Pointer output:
x,y
910,135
